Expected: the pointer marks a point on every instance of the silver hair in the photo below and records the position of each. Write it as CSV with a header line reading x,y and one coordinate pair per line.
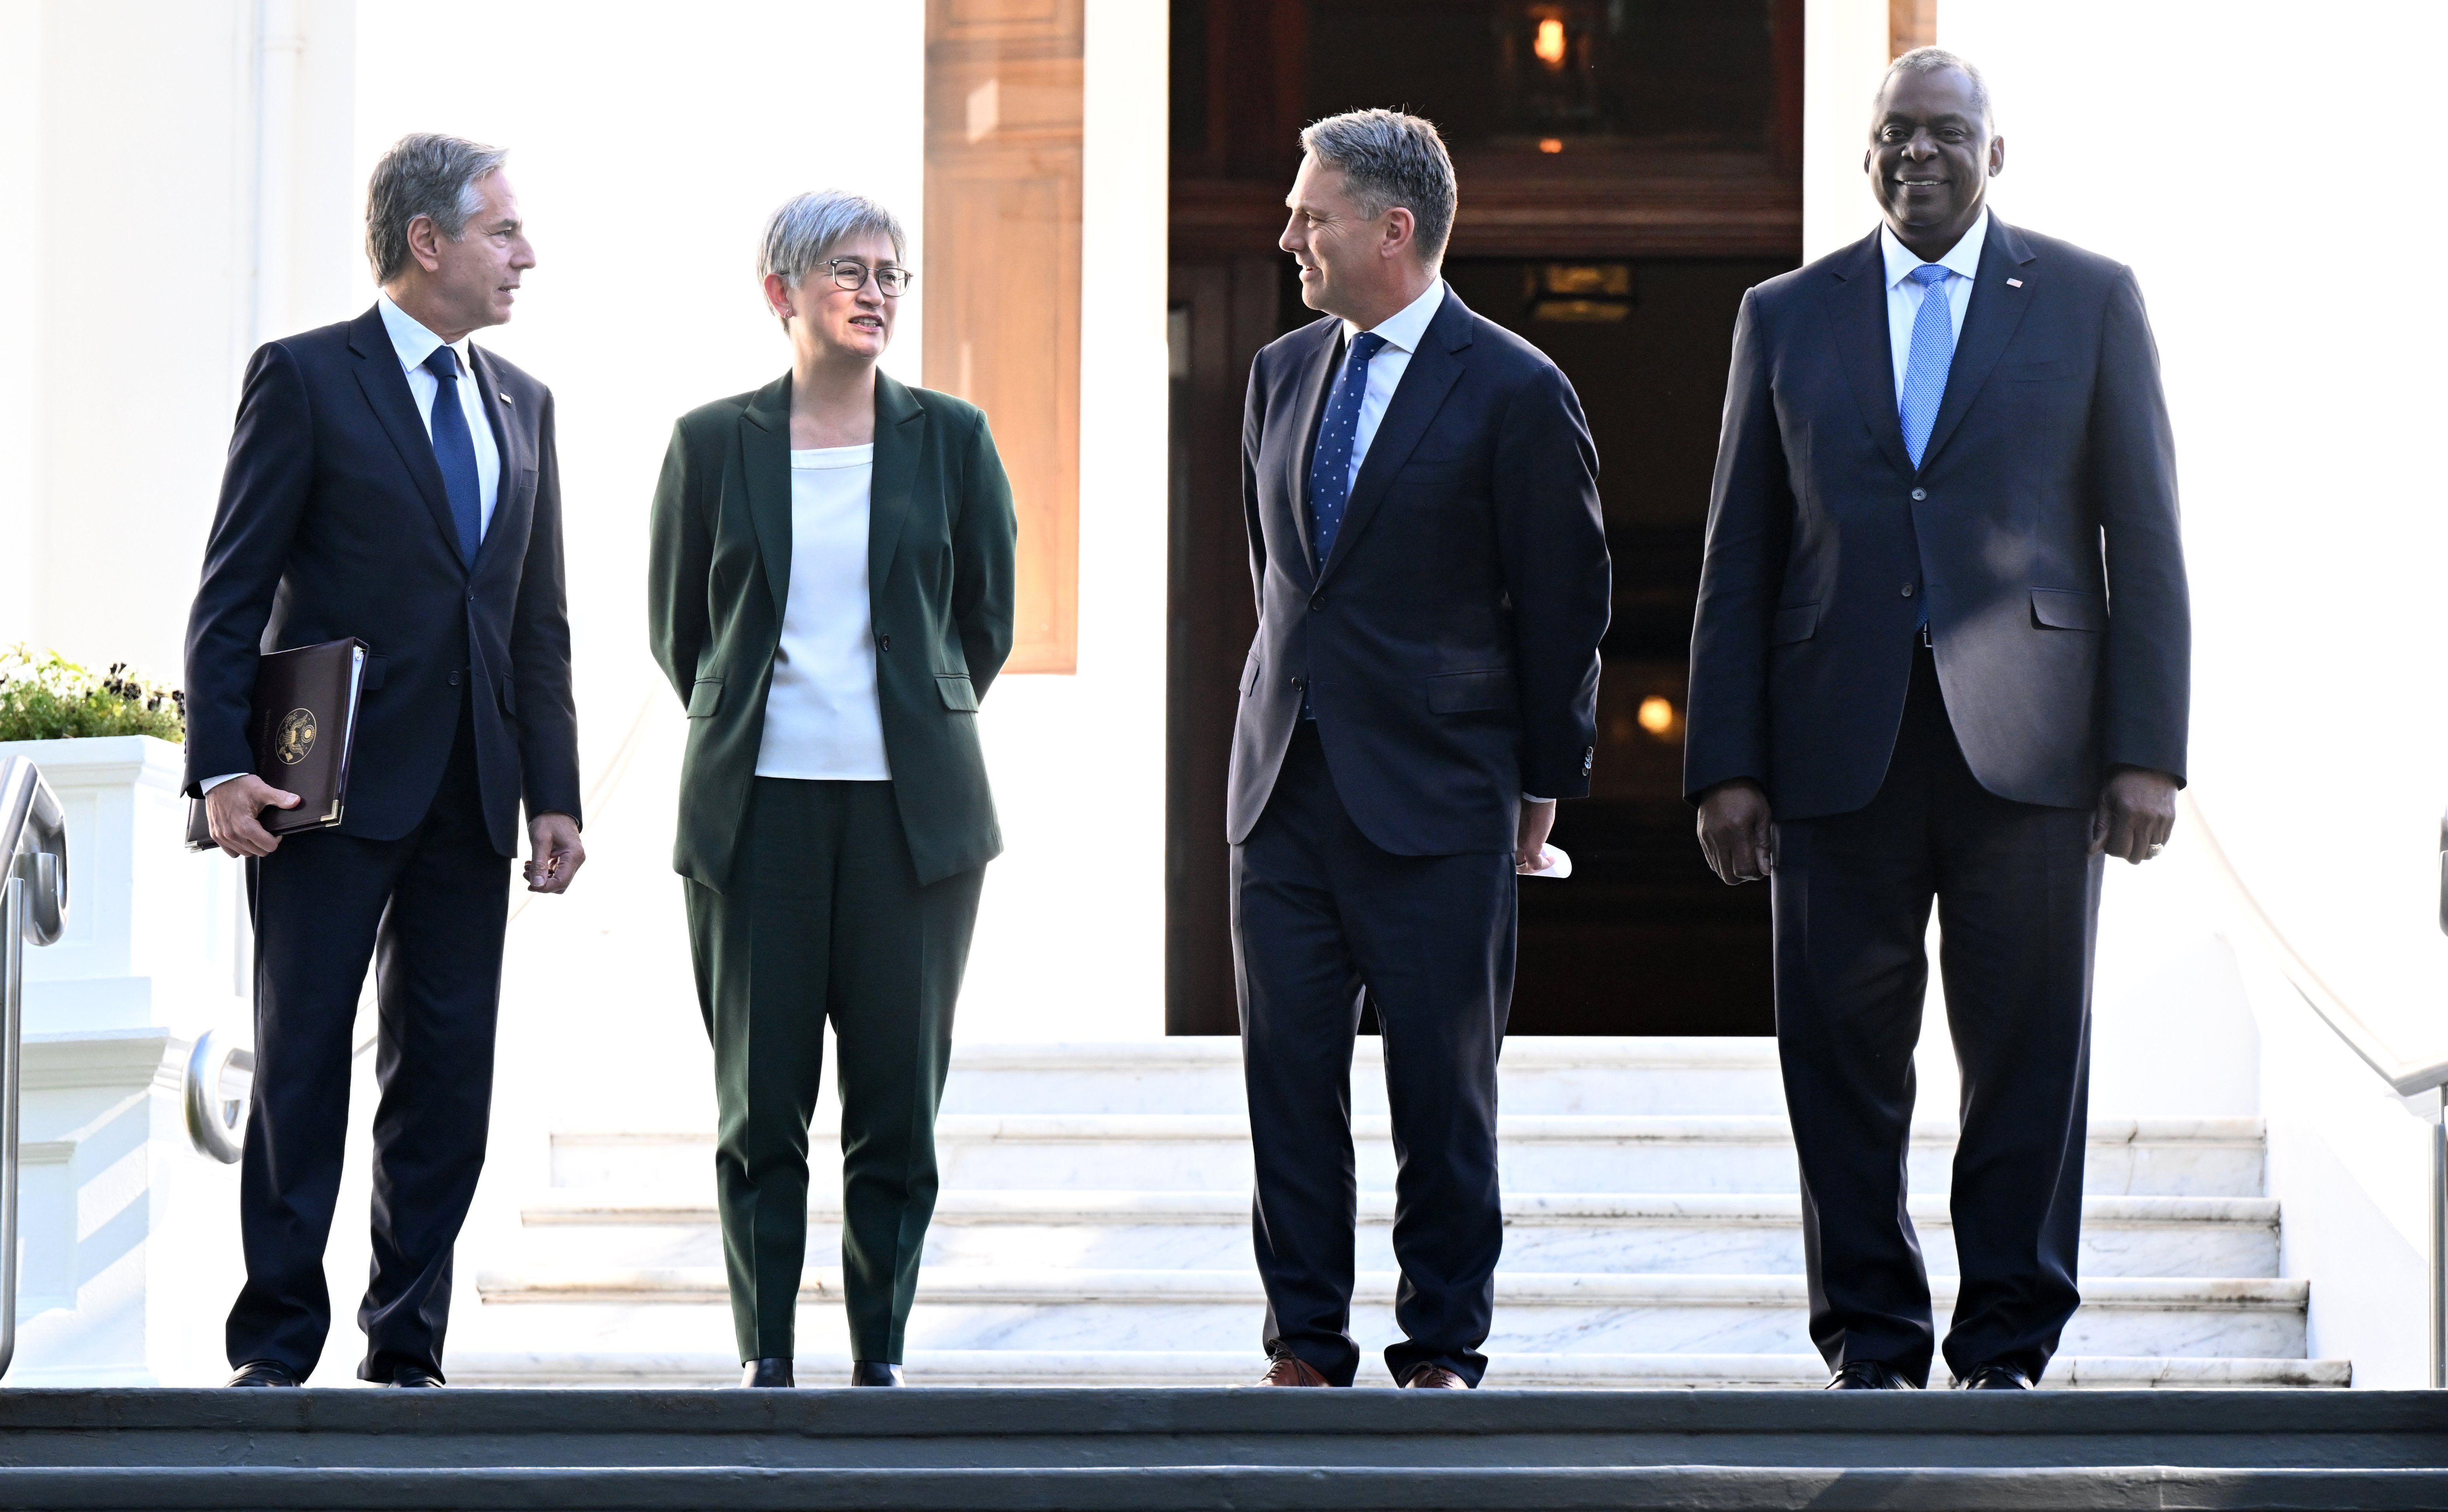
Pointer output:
x,y
1938,60
807,226
424,174
1390,159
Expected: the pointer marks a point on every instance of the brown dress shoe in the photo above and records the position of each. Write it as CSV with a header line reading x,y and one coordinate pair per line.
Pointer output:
x,y
1434,1378
1291,1369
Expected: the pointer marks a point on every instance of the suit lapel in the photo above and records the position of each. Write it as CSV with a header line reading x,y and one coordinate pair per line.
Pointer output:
x,y
1309,382
900,436
1857,307
765,452
394,406
1995,312
508,445
1430,376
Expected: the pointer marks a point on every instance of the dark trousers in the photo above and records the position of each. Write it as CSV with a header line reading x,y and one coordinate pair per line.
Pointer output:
x,y
428,908
824,917
1319,915
2018,897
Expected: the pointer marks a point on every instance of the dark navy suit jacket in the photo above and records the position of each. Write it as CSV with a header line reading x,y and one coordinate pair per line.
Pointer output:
x,y
334,522
1448,646
2040,531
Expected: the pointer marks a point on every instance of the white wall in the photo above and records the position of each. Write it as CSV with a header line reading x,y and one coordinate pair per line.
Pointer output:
x,y
2190,140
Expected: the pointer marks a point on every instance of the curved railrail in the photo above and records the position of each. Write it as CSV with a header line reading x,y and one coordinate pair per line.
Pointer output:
x,y
217,1124
2407,1076
33,909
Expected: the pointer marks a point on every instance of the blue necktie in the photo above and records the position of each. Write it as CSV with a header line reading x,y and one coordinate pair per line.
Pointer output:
x,y
1329,466
1933,349
456,451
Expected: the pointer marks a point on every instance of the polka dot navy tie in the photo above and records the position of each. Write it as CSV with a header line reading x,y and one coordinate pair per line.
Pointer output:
x,y
1329,466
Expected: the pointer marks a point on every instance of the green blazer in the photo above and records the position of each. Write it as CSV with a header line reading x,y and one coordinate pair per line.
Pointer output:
x,y
940,548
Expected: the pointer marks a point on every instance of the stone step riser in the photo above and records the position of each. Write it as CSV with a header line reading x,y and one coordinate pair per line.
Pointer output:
x,y
2170,1249
704,1326
1219,1090
2187,1169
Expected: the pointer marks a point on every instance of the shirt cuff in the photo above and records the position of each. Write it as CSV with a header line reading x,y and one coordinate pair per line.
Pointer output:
x,y
210,783
1527,799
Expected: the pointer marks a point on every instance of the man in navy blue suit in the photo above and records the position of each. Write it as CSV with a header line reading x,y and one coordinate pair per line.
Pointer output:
x,y
392,482
1942,652
1432,582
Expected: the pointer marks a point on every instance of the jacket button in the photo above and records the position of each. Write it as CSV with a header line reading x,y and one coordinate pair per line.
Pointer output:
x,y
1300,684
884,643
1317,601
454,680
1909,590
1919,494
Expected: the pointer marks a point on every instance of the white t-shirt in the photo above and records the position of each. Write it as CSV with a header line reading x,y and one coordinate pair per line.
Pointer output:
x,y
821,718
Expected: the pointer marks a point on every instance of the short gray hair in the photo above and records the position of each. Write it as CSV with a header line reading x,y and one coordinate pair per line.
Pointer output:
x,y
424,174
1388,158
1938,60
807,226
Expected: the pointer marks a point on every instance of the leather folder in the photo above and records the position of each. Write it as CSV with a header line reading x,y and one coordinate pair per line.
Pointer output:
x,y
301,726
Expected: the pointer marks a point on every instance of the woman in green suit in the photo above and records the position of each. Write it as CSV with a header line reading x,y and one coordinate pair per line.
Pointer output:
x,y
830,593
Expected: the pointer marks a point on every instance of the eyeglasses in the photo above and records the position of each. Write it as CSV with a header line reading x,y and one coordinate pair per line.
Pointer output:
x,y
891,280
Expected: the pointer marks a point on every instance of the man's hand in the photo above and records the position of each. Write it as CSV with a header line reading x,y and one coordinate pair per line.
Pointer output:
x,y
1537,822
554,852
2136,813
1734,830
230,809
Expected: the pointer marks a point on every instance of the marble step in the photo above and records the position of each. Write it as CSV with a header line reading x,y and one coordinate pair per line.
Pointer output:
x,y
1158,1368
1534,1075
685,1309
1589,1153
1712,1234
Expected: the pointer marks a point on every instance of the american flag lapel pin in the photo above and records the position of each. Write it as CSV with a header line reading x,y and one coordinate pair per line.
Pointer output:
x,y
2014,283
506,398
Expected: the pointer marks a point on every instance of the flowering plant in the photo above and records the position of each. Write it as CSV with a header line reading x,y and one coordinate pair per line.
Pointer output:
x,y
54,699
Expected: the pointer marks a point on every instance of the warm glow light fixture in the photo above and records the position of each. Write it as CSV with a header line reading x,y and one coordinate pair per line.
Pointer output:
x,y
1550,143
1657,715
1549,44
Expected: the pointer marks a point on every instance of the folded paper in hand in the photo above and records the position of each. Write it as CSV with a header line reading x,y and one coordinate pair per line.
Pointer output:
x,y
1552,862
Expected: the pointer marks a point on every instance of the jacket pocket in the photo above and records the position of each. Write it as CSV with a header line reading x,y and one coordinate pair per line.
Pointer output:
x,y
705,697
1797,621
1471,692
960,693
507,696
2067,609
1249,677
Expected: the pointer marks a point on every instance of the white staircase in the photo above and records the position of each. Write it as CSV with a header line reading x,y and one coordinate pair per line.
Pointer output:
x,y
1095,1229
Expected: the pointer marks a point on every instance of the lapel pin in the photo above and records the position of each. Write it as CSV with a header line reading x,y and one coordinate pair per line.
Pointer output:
x,y
505,398
2014,283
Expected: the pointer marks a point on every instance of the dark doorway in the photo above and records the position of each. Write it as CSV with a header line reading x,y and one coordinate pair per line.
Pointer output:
x,y
1614,209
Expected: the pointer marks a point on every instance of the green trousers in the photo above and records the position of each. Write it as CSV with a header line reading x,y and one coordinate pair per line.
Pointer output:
x,y
824,918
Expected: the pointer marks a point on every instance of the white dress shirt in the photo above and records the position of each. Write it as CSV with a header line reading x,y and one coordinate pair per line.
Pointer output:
x,y
822,722
1961,262
414,343
1401,331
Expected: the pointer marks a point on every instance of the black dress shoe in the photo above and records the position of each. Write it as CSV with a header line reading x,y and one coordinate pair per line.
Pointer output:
x,y
414,1375
1869,1375
875,1372
1995,1376
264,1372
766,1372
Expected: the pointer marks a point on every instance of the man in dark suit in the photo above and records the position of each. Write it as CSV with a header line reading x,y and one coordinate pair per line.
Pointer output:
x,y
391,482
1943,643
1432,582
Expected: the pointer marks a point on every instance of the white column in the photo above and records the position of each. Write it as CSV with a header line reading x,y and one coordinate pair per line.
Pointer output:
x,y
21,303
1844,53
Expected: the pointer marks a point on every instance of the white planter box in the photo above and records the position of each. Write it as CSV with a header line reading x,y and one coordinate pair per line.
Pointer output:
x,y
130,1253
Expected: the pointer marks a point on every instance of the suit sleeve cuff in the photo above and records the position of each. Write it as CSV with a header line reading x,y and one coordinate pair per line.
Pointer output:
x,y
210,783
1528,798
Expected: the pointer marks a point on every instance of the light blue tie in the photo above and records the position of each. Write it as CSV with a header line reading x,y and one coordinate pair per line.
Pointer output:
x,y
1933,349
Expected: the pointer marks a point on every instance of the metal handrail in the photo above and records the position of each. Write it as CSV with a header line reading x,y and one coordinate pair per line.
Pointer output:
x,y
216,1124
2408,1077
33,909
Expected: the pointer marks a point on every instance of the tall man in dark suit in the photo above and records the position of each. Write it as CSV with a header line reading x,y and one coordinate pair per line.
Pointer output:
x,y
1432,581
392,482
1941,651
